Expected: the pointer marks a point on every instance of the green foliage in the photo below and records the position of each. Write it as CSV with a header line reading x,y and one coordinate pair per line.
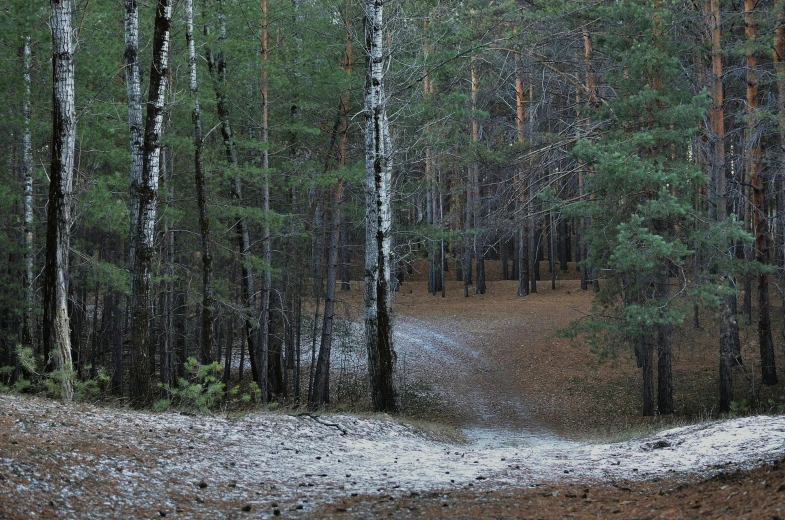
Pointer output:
x,y
201,390
642,182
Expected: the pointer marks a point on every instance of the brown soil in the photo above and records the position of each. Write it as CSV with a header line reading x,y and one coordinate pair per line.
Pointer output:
x,y
757,494
564,385
511,371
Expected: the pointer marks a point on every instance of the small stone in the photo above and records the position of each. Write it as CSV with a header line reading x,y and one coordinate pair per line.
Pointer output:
x,y
161,513
202,484
199,500
246,508
276,512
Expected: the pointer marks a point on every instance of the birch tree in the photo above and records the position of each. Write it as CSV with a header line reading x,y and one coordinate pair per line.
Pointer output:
x,y
148,201
27,160
56,333
378,215
135,138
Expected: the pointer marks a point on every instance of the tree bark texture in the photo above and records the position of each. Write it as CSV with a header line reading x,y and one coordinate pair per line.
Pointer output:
x,y
208,298
320,393
728,323
759,224
217,67
779,68
378,216
27,199
148,201
135,137
56,332
264,318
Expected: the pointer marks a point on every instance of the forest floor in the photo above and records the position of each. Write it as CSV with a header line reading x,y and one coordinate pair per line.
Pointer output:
x,y
529,425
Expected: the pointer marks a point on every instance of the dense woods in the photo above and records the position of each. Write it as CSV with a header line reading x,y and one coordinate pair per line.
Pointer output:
x,y
197,179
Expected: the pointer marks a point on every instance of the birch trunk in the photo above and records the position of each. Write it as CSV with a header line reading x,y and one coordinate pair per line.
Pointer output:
x,y
134,96
27,160
208,315
378,216
57,341
148,201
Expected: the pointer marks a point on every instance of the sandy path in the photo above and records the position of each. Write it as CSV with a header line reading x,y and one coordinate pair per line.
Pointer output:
x,y
85,461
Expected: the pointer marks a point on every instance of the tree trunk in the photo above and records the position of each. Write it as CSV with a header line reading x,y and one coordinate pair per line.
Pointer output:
x,y
28,330
779,67
148,200
378,216
647,350
664,354
768,369
208,298
56,333
522,252
264,312
135,137
217,68
728,323
320,393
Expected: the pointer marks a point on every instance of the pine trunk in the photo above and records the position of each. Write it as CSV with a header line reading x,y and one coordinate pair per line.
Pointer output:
x,y
320,393
264,312
768,369
728,323
779,67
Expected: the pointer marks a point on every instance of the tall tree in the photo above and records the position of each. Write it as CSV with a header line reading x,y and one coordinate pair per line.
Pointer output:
x,y
208,296
378,214
27,160
135,137
320,392
266,232
755,176
718,199
56,333
148,201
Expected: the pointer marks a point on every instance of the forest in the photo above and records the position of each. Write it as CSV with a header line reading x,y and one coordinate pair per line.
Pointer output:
x,y
192,186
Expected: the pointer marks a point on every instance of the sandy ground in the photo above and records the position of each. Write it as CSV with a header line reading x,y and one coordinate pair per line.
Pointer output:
x,y
529,406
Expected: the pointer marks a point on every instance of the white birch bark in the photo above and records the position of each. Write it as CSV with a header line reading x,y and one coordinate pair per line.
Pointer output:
x,y
148,200
378,217
57,339
134,96
27,159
